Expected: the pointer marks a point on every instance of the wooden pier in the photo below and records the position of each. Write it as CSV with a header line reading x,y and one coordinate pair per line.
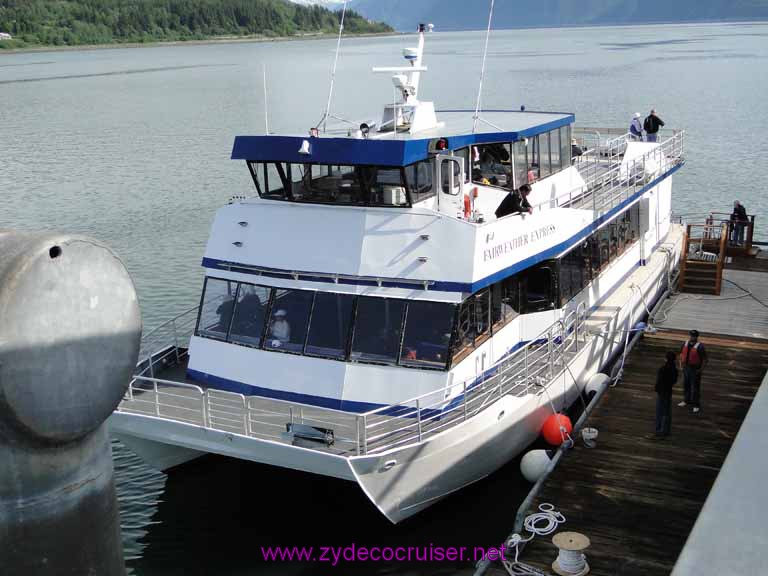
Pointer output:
x,y
637,497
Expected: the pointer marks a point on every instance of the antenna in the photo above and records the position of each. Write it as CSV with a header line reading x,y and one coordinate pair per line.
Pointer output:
x,y
482,70
266,103
335,61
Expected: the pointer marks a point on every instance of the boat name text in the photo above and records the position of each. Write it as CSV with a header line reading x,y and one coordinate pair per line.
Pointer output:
x,y
517,242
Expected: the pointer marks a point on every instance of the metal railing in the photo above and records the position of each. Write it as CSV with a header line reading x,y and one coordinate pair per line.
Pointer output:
x,y
167,342
525,371
528,370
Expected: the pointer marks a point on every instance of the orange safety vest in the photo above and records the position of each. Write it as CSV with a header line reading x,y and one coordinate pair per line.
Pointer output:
x,y
689,355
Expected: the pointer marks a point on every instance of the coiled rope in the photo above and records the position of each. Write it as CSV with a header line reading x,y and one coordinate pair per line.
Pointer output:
x,y
571,561
541,523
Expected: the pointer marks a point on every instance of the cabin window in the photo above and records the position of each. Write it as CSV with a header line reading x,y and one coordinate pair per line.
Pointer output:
x,y
491,164
521,164
505,298
554,150
574,271
544,166
565,146
533,159
418,178
330,325
446,166
463,154
473,324
336,184
289,318
427,334
216,308
537,289
250,314
378,327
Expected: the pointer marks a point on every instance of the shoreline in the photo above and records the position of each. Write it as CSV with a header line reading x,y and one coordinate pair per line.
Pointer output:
x,y
216,40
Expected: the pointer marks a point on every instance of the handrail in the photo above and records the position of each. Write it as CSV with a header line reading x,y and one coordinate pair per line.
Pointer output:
x,y
522,370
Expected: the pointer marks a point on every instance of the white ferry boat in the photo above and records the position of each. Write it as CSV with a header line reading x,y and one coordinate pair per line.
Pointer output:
x,y
367,315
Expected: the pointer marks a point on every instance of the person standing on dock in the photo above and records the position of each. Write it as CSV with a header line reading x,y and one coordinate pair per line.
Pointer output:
x,y
693,359
665,380
739,221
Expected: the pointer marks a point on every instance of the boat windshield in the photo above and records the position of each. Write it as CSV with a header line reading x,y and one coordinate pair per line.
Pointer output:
x,y
330,184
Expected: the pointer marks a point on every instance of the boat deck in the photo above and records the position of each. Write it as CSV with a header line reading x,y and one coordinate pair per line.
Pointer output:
x,y
636,497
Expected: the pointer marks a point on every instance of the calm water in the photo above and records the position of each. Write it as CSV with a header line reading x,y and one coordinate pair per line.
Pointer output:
x,y
132,146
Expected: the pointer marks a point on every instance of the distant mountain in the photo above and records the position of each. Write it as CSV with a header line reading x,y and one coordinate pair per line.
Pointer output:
x,y
473,14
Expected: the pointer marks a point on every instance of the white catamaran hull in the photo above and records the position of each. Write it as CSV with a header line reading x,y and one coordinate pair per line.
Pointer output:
x,y
405,480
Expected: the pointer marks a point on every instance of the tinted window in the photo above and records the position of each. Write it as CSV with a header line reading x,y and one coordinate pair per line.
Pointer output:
x,y
427,334
329,327
474,320
521,164
565,146
377,330
544,169
538,289
554,150
250,313
216,311
418,178
533,158
463,155
288,323
504,301
491,164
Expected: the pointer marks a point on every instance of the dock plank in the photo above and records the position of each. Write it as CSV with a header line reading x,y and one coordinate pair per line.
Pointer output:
x,y
637,497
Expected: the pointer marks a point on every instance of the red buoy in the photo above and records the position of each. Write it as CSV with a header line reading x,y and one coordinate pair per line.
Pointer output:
x,y
556,427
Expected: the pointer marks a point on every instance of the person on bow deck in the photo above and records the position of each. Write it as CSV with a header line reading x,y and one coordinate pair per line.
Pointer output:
x,y
635,128
515,202
739,221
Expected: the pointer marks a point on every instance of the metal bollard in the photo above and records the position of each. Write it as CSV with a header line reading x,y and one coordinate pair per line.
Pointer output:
x,y
69,339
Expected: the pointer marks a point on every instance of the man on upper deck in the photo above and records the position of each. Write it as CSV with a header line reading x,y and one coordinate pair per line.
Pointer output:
x,y
651,126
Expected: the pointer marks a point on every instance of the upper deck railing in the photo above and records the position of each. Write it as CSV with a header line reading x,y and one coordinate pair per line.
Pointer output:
x,y
608,181
528,370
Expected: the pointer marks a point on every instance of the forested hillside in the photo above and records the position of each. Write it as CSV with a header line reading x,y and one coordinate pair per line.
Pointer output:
x,y
74,22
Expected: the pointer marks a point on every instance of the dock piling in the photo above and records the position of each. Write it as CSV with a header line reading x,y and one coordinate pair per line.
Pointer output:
x,y
69,339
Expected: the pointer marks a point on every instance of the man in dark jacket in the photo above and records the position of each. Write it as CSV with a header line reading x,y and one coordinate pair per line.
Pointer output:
x,y
515,201
665,380
651,126
739,221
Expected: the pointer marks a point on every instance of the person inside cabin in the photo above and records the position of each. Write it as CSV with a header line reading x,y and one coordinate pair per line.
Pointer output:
x,y
693,359
665,380
280,330
478,178
739,221
515,202
224,311
635,128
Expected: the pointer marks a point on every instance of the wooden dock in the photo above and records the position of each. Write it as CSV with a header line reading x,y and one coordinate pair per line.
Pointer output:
x,y
637,497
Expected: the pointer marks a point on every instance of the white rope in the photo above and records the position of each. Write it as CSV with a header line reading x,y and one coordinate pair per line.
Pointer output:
x,y
482,70
571,561
335,61
541,523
